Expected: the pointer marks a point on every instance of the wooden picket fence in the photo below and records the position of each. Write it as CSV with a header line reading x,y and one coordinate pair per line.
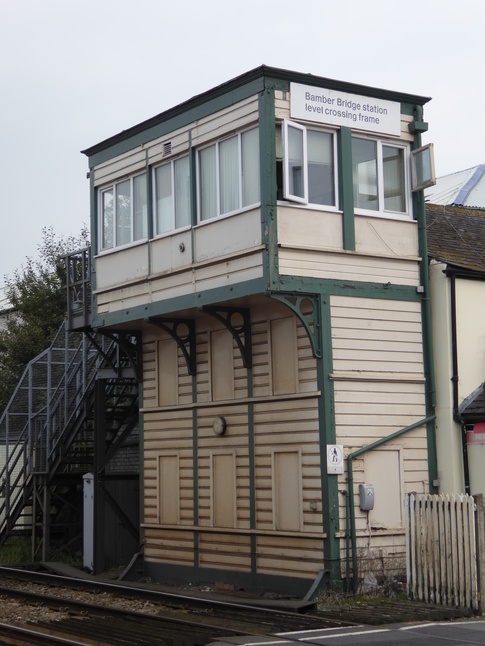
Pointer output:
x,y
441,550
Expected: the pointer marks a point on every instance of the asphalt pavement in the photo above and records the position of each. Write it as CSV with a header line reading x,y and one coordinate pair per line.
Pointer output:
x,y
467,631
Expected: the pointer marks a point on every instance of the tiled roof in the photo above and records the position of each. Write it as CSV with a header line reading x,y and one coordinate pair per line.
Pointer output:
x,y
472,408
456,236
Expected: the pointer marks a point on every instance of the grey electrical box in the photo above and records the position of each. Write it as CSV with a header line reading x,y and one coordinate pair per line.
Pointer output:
x,y
366,493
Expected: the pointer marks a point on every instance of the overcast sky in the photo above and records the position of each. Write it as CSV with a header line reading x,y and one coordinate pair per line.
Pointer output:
x,y
73,73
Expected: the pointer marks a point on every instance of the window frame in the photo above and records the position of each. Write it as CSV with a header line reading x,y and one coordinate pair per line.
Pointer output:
x,y
287,195
102,191
174,227
381,211
217,144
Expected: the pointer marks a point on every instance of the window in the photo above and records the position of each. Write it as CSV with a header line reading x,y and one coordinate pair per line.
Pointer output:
x,y
228,175
379,176
172,195
309,165
422,167
123,212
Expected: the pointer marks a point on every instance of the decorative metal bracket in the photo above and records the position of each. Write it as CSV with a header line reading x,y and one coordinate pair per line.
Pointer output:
x,y
311,320
240,330
183,332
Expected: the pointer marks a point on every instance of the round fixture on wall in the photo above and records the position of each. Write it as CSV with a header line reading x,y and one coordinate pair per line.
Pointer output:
x,y
219,425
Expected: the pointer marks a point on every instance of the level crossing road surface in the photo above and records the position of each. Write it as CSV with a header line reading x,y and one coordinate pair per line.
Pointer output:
x,y
469,631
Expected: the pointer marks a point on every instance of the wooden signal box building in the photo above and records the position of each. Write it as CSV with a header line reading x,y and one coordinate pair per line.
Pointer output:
x,y
265,240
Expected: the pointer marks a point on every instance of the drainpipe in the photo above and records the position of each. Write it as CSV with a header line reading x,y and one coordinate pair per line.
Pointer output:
x,y
454,346
417,127
355,454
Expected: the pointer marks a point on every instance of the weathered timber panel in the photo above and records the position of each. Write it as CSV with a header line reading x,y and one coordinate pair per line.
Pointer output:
x,y
237,116
304,228
115,296
283,556
355,349
230,552
290,425
174,546
347,267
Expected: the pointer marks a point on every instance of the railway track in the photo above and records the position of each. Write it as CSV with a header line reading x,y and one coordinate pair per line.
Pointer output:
x,y
106,614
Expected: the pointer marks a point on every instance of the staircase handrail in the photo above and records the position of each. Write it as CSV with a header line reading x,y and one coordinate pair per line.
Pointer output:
x,y
41,414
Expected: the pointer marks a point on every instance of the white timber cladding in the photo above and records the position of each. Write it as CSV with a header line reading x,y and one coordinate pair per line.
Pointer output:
x,y
379,389
227,251
285,429
310,244
237,116
282,111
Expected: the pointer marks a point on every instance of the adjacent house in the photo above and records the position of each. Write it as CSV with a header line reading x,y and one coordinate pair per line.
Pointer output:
x,y
266,241
456,247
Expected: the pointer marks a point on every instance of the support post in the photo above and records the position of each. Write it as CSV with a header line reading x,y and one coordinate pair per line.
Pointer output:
x,y
99,448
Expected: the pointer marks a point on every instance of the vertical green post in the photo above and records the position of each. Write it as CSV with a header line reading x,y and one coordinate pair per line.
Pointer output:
x,y
329,483
418,126
346,188
267,160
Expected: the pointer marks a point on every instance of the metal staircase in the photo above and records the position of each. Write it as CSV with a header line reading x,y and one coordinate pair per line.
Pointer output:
x,y
74,409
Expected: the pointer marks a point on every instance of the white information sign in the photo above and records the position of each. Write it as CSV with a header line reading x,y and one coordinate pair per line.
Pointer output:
x,y
343,109
335,458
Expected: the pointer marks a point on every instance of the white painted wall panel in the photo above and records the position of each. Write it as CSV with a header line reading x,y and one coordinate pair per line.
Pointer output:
x,y
124,165
171,252
348,267
218,238
122,267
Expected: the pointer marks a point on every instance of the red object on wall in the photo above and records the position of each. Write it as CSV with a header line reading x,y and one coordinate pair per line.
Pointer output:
x,y
477,436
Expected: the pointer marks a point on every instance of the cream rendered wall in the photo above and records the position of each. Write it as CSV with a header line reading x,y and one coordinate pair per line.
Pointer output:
x,y
470,323
448,434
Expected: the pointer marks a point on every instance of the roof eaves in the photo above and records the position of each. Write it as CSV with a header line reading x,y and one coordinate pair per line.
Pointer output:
x,y
261,72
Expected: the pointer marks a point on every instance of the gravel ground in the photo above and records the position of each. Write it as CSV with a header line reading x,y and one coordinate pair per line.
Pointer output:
x,y
13,611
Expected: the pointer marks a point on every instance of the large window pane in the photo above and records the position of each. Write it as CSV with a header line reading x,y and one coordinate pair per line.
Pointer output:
x,y
295,162
182,192
364,167
108,219
164,199
250,167
207,185
123,213
394,187
321,180
229,175
140,207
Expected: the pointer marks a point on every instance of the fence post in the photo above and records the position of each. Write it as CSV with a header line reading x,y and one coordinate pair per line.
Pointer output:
x,y
480,530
